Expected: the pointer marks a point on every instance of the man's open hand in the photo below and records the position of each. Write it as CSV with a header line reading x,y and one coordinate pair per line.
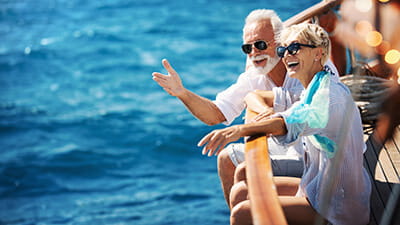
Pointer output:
x,y
172,82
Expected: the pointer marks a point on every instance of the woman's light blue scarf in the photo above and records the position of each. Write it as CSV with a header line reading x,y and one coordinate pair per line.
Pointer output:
x,y
314,110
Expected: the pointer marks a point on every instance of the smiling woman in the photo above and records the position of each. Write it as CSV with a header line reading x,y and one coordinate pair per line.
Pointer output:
x,y
315,51
313,119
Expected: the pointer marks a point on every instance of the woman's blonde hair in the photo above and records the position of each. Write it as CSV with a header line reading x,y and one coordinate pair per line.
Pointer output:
x,y
311,34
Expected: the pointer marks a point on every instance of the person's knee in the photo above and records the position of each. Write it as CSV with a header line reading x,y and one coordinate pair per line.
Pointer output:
x,y
225,165
223,157
238,193
241,214
240,172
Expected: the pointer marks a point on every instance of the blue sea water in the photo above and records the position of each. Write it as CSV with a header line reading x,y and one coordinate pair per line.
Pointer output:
x,y
86,136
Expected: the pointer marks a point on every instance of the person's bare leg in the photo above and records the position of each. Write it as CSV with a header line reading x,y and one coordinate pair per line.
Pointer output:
x,y
240,173
298,210
239,190
241,214
286,186
239,193
226,171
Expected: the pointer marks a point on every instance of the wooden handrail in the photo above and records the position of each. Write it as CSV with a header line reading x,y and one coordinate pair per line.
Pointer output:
x,y
265,206
314,10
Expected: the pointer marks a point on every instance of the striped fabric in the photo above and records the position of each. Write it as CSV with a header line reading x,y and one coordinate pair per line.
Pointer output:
x,y
349,202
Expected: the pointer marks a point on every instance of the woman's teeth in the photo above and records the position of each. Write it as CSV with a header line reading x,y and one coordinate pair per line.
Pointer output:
x,y
292,64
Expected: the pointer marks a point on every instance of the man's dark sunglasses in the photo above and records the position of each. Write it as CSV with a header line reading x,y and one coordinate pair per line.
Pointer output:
x,y
292,49
260,45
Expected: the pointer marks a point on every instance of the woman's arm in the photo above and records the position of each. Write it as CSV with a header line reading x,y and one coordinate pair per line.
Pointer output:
x,y
260,102
216,140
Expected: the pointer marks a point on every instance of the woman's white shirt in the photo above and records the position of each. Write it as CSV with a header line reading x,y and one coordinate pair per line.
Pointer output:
x,y
349,203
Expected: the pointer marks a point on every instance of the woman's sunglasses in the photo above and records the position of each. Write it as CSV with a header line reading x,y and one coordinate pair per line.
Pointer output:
x,y
292,49
260,45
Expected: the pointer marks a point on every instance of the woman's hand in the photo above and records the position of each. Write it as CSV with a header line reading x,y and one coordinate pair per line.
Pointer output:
x,y
264,115
216,140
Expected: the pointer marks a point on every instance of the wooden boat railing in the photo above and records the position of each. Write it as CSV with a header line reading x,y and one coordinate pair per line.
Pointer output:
x,y
382,161
265,206
314,10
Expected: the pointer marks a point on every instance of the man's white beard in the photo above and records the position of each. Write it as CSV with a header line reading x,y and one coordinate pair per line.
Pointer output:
x,y
264,70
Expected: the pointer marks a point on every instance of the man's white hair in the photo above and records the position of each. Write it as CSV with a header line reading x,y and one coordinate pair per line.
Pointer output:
x,y
260,15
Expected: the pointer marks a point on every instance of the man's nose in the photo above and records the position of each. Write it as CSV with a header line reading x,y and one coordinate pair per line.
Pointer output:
x,y
254,50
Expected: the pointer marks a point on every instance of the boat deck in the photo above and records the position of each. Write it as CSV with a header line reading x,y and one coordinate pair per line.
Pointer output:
x,y
383,164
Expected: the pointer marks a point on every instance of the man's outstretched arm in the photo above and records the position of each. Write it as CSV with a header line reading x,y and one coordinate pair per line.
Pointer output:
x,y
202,108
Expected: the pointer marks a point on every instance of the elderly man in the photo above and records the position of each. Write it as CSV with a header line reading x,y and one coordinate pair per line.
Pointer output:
x,y
265,71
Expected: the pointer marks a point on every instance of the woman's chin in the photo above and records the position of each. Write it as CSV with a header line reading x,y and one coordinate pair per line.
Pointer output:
x,y
292,73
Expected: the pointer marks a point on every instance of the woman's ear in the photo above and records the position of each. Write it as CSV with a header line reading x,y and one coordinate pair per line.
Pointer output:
x,y
318,54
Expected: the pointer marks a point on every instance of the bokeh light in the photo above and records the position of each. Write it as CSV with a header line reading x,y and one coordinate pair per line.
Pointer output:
x,y
374,38
363,5
363,27
392,56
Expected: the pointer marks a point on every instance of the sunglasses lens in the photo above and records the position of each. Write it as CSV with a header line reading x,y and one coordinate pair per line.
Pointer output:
x,y
280,51
293,48
246,48
261,45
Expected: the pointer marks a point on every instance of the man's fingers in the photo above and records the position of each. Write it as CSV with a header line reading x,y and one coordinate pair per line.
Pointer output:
x,y
169,68
159,75
161,82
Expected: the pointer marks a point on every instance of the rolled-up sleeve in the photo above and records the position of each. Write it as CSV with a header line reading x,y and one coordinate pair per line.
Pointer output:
x,y
231,101
294,131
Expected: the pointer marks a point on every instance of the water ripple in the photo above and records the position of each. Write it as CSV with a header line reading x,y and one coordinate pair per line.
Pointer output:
x,y
86,136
